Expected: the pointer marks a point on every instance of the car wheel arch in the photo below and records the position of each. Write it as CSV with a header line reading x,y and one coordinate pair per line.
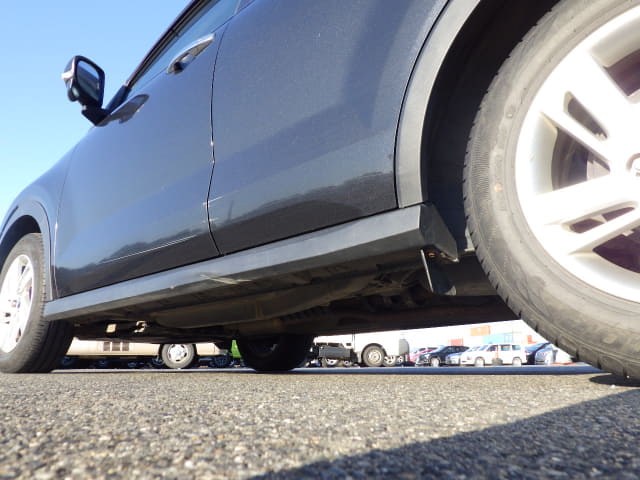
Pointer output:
x,y
23,220
437,90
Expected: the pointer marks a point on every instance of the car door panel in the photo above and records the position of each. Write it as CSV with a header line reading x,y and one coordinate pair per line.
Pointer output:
x,y
134,201
300,146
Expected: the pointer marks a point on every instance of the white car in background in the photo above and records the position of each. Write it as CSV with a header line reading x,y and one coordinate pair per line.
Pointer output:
x,y
552,354
495,354
454,358
132,354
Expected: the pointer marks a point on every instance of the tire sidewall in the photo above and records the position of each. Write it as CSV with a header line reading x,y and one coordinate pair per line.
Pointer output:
x,y
520,268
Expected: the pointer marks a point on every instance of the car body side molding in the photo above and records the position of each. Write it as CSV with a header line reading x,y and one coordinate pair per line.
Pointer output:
x,y
397,230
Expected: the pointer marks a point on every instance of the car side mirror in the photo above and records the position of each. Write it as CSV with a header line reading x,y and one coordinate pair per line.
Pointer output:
x,y
85,84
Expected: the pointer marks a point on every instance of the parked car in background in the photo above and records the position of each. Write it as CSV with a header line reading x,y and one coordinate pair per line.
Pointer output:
x,y
415,354
351,166
437,357
531,351
83,353
495,354
551,354
453,359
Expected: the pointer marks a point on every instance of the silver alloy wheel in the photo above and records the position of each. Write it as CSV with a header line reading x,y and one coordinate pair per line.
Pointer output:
x,y
578,160
177,352
16,298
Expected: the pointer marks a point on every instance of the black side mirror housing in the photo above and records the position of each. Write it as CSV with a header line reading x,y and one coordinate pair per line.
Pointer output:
x,y
85,84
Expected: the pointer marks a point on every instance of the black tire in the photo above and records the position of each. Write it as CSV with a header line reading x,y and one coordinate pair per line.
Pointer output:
x,y
179,355
373,356
516,362
479,362
220,361
277,353
435,362
511,157
37,346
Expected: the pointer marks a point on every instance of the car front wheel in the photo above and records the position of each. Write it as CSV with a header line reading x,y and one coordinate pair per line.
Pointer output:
x,y
28,343
552,181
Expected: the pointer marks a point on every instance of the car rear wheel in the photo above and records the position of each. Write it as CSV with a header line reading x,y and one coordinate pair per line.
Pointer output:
x,y
276,353
552,181
479,362
179,355
28,343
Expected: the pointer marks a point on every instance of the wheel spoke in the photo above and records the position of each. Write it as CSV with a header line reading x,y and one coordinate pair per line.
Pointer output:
x,y
582,78
592,86
25,280
583,200
587,241
15,302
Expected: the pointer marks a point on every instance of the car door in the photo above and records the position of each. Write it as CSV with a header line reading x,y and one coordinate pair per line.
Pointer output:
x,y
135,198
306,103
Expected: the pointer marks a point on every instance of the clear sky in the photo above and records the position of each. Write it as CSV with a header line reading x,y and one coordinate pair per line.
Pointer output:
x,y
37,122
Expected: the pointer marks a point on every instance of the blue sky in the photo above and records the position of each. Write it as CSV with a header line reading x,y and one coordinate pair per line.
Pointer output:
x,y
37,122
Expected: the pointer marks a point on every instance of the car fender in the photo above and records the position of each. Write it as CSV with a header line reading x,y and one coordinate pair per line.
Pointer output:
x,y
410,181
34,210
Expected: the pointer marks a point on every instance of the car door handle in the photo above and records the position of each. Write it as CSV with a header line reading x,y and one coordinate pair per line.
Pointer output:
x,y
186,56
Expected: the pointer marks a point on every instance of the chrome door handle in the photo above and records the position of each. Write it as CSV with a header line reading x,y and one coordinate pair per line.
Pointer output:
x,y
187,55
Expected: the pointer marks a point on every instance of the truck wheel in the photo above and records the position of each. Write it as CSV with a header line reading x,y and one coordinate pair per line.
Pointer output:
x,y
277,353
179,355
28,343
373,356
552,181
390,361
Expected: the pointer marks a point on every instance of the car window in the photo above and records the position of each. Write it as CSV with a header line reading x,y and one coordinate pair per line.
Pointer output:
x,y
516,347
493,348
205,20
505,348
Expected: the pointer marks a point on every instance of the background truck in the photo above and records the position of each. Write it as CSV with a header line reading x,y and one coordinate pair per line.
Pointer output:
x,y
367,349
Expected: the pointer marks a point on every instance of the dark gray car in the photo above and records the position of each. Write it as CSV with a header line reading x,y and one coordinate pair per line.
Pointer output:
x,y
275,170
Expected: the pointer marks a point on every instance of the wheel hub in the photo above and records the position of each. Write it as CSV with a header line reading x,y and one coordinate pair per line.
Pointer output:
x,y
177,353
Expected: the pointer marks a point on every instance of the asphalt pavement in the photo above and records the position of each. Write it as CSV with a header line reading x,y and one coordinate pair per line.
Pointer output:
x,y
403,423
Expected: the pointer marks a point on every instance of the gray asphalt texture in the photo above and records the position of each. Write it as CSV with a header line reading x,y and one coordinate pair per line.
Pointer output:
x,y
405,423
